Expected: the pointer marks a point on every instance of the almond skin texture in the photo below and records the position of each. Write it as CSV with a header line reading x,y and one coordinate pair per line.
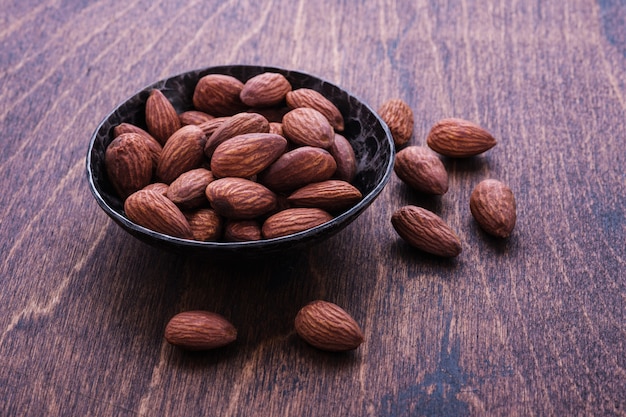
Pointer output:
x,y
199,330
308,127
187,191
153,145
239,198
327,326
265,90
194,117
184,151
156,212
158,187
128,164
161,117
306,97
247,155
399,118
206,225
493,206
218,95
330,195
426,231
297,168
292,221
458,138
236,125
343,152
242,231
210,126
421,169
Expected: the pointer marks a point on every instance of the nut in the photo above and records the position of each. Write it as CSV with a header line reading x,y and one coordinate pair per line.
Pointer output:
x,y
342,151
293,220
153,145
247,155
265,90
398,116
238,124
128,163
199,330
161,117
492,204
329,195
183,151
218,95
194,117
458,138
297,168
306,97
187,191
242,230
154,211
205,224
327,326
239,198
308,127
422,170
426,231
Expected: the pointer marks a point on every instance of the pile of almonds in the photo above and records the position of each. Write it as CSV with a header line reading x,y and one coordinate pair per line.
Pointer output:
x,y
492,203
254,160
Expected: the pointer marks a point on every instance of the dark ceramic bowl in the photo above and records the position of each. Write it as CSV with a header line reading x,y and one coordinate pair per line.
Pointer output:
x,y
368,134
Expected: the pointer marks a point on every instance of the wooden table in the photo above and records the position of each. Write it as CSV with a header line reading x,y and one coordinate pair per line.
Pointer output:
x,y
533,325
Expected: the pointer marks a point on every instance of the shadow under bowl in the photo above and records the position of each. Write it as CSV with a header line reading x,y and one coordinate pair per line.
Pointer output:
x,y
367,133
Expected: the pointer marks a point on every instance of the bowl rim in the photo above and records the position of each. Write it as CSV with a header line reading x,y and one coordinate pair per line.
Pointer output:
x,y
345,216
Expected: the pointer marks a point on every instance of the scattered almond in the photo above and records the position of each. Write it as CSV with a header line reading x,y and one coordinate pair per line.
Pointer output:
x,y
199,330
458,138
422,170
398,116
492,204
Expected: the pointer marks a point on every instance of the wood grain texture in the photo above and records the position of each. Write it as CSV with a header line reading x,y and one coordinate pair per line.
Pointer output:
x,y
532,326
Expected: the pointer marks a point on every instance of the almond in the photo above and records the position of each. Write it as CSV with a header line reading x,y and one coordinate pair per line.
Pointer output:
x,y
343,152
161,117
212,125
156,212
272,114
128,164
188,190
206,224
327,326
265,90
422,170
242,230
306,97
297,168
182,152
159,187
194,117
426,231
239,198
308,127
293,220
276,128
247,155
153,145
199,330
218,95
398,116
492,204
458,138
330,195
238,124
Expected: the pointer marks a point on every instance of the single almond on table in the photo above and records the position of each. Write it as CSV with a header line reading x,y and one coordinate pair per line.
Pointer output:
x,y
458,138
205,223
343,152
327,326
240,198
426,231
329,195
265,90
293,220
188,190
306,97
199,330
492,204
247,155
183,151
128,164
161,117
156,212
242,230
398,116
297,168
308,127
422,170
218,95
236,125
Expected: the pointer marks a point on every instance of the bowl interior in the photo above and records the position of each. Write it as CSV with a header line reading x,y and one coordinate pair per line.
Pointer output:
x,y
369,136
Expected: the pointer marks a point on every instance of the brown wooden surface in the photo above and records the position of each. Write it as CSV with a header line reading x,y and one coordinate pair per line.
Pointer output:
x,y
531,326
